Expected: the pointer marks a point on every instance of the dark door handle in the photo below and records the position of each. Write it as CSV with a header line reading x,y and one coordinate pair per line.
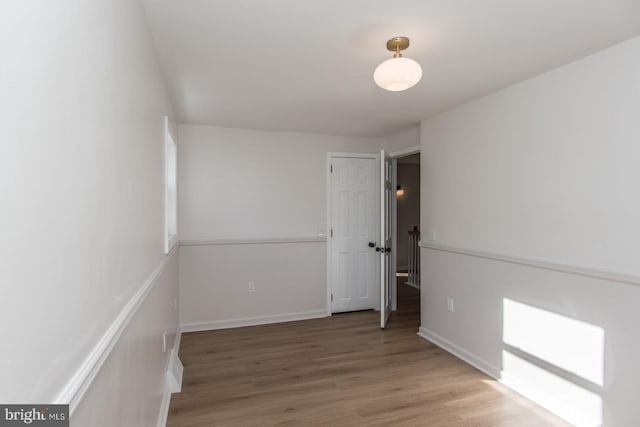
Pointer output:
x,y
372,245
387,249
378,249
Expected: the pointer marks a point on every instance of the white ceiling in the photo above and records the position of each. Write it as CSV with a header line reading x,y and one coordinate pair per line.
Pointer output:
x,y
307,65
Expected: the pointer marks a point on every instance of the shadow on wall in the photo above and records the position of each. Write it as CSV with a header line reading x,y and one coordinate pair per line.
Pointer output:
x,y
554,360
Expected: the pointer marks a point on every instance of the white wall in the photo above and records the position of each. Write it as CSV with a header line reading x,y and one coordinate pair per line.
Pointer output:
x,y
545,170
249,183
130,389
290,284
244,186
405,139
81,179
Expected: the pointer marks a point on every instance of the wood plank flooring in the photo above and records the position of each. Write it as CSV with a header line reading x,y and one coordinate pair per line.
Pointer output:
x,y
339,371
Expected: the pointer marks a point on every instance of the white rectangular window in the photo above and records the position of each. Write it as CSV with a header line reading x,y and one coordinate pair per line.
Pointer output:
x,y
171,187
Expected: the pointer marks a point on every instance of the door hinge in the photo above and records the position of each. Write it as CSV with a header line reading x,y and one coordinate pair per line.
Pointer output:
x,y
331,168
331,297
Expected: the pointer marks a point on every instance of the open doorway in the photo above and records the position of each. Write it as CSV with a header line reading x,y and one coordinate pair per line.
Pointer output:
x,y
406,219
358,257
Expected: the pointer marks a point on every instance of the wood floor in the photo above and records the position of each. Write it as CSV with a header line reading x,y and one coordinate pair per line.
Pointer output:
x,y
339,371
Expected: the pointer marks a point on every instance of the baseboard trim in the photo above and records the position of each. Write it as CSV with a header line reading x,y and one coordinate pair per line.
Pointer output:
x,y
460,353
166,397
178,340
251,321
77,386
164,408
514,383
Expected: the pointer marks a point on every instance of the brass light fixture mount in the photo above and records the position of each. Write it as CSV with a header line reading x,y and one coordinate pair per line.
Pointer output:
x,y
397,44
398,73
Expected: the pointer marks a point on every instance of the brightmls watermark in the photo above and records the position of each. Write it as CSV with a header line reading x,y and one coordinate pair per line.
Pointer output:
x,y
34,415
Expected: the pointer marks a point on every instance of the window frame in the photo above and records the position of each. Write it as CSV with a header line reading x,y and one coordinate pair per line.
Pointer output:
x,y
170,187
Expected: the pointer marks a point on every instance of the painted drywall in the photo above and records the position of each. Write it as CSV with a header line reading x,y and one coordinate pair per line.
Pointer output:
x,y
289,280
406,139
546,169
81,178
249,184
408,208
130,387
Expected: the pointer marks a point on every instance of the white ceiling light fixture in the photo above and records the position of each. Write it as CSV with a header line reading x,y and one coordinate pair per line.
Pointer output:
x,y
398,73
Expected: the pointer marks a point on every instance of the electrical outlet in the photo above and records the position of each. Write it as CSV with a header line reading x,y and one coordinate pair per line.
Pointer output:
x,y
251,287
450,304
164,342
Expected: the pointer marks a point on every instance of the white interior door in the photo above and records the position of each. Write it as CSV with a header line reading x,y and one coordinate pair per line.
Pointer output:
x,y
354,226
386,270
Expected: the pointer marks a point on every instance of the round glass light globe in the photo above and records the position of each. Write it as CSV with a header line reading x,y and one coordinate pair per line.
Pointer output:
x,y
397,74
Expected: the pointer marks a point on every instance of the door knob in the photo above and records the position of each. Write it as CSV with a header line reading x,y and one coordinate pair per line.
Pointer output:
x,y
372,244
378,249
387,249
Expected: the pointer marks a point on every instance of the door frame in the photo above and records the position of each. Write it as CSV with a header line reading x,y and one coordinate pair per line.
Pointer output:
x,y
387,270
395,155
331,155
